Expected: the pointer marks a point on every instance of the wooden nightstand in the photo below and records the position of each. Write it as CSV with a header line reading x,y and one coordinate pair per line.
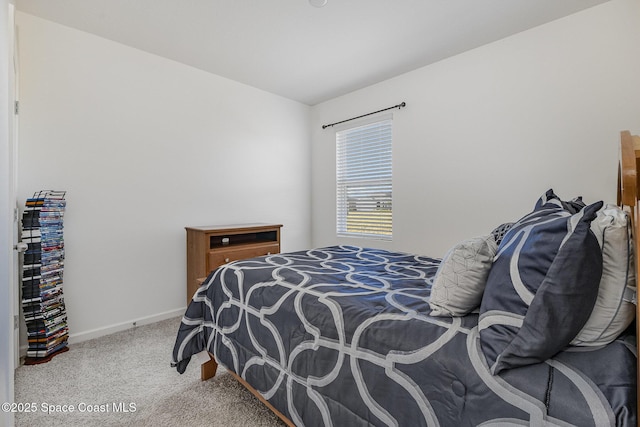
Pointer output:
x,y
209,247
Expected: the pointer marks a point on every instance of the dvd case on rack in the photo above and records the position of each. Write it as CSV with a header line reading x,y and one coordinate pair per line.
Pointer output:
x,y
42,278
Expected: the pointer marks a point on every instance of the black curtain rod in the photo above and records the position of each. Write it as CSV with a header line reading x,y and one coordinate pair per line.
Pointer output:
x,y
399,106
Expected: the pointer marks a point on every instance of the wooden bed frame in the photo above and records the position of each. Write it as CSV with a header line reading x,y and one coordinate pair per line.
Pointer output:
x,y
628,197
208,370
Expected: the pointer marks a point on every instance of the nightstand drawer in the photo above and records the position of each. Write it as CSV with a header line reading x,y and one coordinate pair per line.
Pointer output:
x,y
224,256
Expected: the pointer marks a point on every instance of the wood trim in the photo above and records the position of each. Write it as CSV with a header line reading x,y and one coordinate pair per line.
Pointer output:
x,y
628,174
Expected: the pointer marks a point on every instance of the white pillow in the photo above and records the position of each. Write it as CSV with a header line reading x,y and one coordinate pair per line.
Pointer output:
x,y
613,310
460,280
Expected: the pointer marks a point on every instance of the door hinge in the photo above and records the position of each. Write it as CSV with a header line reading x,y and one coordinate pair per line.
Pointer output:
x,y
15,321
16,108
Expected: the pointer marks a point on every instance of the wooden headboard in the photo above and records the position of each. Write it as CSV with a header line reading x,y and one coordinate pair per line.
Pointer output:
x,y
628,197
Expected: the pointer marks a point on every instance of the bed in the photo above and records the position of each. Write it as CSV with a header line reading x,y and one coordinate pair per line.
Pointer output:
x,y
515,327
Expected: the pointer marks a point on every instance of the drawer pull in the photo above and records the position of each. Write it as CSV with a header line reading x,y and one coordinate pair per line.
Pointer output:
x,y
226,260
268,253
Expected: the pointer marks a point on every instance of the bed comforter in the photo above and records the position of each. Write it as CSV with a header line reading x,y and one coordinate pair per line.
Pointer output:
x,y
341,336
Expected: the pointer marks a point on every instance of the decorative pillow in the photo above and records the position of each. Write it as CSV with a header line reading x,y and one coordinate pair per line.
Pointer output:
x,y
459,282
572,206
499,232
542,286
614,309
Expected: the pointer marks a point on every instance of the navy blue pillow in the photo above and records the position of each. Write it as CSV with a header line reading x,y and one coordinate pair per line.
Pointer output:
x,y
542,286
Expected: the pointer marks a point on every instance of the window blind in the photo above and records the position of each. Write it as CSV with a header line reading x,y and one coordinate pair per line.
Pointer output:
x,y
364,181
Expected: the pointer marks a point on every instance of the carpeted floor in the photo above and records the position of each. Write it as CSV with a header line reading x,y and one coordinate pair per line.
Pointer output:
x,y
130,371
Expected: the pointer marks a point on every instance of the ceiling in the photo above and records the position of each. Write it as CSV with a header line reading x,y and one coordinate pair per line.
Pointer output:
x,y
296,50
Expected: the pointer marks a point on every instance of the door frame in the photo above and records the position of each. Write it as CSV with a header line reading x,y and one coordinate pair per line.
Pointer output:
x,y
8,297
14,118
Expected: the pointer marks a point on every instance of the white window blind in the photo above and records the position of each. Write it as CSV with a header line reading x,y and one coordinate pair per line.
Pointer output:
x,y
364,181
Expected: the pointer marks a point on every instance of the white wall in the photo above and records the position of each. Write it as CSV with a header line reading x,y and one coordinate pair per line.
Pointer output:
x,y
7,297
145,146
485,133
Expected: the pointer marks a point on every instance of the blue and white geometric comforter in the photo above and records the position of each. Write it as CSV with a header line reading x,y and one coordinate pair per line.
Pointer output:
x,y
342,336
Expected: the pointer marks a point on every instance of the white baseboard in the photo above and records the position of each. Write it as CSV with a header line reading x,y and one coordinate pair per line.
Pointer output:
x,y
107,330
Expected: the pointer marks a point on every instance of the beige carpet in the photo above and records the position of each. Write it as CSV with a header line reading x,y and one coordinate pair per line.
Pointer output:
x,y
130,370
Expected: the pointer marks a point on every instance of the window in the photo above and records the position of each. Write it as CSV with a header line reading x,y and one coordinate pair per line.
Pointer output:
x,y
364,184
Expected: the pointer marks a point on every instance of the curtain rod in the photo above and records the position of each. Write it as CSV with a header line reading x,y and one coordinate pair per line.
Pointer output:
x,y
399,106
